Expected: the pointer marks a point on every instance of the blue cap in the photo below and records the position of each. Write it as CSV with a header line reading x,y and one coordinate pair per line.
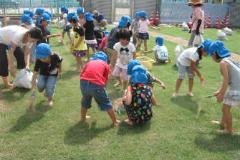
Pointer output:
x,y
46,17
72,16
159,40
26,19
106,33
142,14
39,11
43,50
64,9
100,18
206,45
132,64
122,24
128,19
218,48
139,75
50,14
80,10
89,16
28,12
100,56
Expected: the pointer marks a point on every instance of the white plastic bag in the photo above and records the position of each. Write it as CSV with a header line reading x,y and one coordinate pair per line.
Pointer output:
x,y
228,31
198,39
221,35
185,27
24,79
178,50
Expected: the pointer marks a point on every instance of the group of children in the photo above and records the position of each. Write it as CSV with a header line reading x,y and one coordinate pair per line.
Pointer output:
x,y
119,61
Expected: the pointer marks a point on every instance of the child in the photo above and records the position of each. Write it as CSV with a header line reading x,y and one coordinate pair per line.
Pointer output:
x,y
93,80
229,92
89,33
187,62
49,67
103,44
67,26
161,51
38,13
26,21
124,23
80,13
135,28
79,47
125,52
143,31
17,41
138,99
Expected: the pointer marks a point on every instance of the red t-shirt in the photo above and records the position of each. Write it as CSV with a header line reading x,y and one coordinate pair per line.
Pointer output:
x,y
96,71
103,44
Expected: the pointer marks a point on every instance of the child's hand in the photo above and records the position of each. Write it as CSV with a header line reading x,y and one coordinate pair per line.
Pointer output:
x,y
216,93
163,86
202,80
220,97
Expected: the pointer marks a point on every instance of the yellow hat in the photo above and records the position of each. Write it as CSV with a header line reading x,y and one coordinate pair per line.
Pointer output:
x,y
196,2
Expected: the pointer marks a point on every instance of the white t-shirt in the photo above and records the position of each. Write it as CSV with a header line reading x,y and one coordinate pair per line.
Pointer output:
x,y
161,52
12,34
187,56
143,26
65,19
125,54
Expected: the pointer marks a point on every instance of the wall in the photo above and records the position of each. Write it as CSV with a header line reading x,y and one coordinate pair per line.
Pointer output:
x,y
235,14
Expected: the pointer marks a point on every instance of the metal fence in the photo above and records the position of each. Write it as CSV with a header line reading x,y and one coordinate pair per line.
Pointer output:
x,y
180,12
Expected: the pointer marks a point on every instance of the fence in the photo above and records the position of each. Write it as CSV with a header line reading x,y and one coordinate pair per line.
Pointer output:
x,y
180,12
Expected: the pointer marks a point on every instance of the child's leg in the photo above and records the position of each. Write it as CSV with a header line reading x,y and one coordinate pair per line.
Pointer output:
x,y
41,83
117,74
139,44
79,64
190,85
178,85
113,117
94,50
6,82
145,46
83,114
227,118
50,88
88,53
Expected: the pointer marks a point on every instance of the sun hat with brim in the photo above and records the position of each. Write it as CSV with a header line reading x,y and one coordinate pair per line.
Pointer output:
x,y
139,75
30,13
142,14
100,56
80,10
159,40
72,16
206,45
26,19
89,16
132,64
219,49
196,2
43,50
64,9
39,11
46,17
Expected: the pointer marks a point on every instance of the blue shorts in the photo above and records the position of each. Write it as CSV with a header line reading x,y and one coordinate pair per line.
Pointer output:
x,y
143,36
90,90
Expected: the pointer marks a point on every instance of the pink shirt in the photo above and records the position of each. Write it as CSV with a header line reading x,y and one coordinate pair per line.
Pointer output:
x,y
103,43
96,71
198,13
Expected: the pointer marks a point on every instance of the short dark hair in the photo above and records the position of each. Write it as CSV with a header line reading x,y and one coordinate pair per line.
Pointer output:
x,y
124,34
73,21
35,33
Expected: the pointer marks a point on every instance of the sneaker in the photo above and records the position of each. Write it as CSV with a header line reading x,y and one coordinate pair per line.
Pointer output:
x,y
117,123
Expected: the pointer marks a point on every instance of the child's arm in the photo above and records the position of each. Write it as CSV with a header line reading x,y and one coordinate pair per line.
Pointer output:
x,y
224,71
134,55
34,78
160,83
195,69
54,35
127,99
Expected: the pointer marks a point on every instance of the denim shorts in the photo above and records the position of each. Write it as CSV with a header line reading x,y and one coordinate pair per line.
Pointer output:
x,y
47,83
90,90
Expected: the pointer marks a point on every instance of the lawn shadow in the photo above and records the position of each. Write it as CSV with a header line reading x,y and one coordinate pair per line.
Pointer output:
x,y
186,102
69,74
219,143
125,129
30,117
174,67
14,94
82,133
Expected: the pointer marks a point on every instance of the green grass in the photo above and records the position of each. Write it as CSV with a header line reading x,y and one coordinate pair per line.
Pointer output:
x,y
231,43
176,132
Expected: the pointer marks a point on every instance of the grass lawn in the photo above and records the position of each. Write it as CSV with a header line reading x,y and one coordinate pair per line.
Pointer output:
x,y
179,130
231,43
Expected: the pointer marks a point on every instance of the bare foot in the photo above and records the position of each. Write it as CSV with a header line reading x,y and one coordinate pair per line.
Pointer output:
x,y
82,120
174,94
128,122
190,94
50,103
117,123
